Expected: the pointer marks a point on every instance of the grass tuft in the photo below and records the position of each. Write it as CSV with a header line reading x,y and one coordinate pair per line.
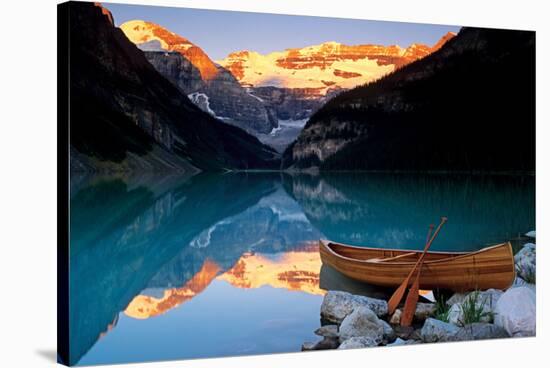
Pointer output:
x,y
472,311
441,308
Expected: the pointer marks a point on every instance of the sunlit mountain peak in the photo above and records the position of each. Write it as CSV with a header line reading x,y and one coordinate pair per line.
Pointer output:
x,y
139,32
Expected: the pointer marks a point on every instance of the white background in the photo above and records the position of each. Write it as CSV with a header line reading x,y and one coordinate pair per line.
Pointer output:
x,y
28,181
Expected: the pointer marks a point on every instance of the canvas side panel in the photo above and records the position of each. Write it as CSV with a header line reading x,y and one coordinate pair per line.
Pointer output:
x,y
63,183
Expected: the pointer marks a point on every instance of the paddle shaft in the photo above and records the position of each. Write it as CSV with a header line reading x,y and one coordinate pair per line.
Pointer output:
x,y
443,220
398,294
429,233
412,297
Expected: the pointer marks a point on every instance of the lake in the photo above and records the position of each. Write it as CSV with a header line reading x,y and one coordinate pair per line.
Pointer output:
x,y
175,267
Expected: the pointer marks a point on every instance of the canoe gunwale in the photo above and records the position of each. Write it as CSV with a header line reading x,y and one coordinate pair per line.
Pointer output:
x,y
452,255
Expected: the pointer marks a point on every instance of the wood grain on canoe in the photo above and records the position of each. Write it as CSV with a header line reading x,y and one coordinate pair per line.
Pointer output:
x,y
491,267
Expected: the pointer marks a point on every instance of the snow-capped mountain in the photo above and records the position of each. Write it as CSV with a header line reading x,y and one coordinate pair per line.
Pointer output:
x,y
273,95
210,86
297,82
325,66
139,31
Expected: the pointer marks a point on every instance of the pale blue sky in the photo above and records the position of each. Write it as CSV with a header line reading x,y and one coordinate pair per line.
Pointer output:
x,y
219,33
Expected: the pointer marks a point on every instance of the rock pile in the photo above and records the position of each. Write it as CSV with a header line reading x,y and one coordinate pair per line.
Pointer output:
x,y
356,321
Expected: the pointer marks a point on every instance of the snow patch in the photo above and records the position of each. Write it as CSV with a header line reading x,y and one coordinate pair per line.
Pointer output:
x,y
281,136
293,123
139,32
253,95
275,130
203,102
152,45
288,124
201,99
265,70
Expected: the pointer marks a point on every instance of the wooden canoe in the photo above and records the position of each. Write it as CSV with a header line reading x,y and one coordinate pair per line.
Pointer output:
x,y
491,267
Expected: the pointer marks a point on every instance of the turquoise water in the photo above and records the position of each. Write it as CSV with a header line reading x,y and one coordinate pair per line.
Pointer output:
x,y
168,267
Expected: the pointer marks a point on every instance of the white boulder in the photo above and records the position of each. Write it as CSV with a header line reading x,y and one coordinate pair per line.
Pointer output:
x,y
518,281
338,304
358,342
424,310
455,315
479,331
399,341
526,261
327,331
516,311
435,330
531,234
457,298
363,322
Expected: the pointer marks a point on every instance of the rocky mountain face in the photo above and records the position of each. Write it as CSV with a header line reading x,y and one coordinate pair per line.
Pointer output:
x,y
270,96
296,82
176,68
210,86
325,66
468,106
125,115
294,104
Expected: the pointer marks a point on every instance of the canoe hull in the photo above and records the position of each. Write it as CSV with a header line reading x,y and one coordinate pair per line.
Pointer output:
x,y
492,267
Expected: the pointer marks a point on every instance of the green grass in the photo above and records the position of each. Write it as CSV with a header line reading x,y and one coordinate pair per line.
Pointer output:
x,y
472,311
441,308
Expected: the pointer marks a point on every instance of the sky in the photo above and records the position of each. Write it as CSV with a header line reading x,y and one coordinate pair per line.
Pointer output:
x,y
219,33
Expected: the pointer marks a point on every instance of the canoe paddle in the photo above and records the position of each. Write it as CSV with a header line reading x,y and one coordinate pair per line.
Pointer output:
x,y
398,294
412,297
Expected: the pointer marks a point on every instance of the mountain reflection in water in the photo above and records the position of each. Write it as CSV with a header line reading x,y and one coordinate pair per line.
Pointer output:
x,y
229,265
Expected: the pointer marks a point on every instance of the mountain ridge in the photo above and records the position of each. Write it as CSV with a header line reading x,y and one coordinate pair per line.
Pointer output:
x,y
396,123
296,82
341,65
273,111
188,67
122,107
140,31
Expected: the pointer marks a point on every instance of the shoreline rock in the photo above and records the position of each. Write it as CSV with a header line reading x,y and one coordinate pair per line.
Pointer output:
x,y
364,322
435,330
358,342
399,342
423,311
526,261
516,311
326,343
327,331
531,234
338,304
479,331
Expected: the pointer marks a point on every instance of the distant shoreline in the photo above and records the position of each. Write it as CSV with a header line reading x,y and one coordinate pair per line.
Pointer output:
x,y
313,172
316,171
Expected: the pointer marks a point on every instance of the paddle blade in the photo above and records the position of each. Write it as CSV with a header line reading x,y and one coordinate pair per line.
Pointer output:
x,y
397,296
410,303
